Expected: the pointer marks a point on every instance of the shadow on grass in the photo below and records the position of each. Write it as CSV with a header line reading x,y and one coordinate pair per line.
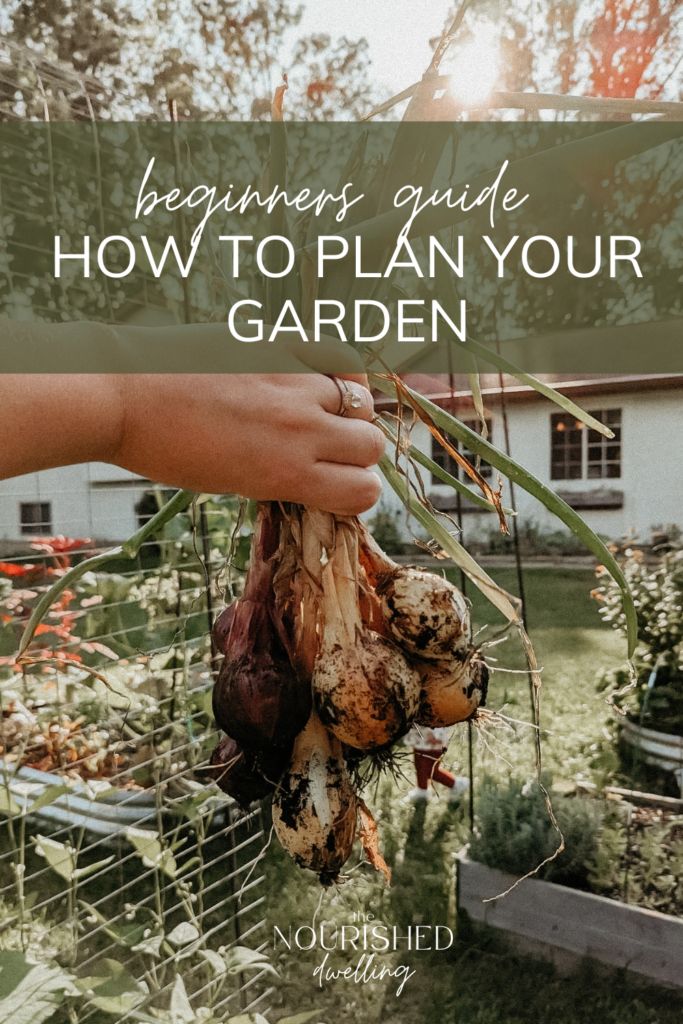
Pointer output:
x,y
423,875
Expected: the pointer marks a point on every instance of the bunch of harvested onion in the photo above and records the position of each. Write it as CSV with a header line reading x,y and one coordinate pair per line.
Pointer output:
x,y
332,653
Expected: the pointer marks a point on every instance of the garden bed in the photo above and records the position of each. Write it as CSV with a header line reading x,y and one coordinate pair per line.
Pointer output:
x,y
566,925
665,750
95,806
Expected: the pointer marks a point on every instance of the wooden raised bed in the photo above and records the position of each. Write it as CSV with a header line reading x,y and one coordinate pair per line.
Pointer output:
x,y
565,926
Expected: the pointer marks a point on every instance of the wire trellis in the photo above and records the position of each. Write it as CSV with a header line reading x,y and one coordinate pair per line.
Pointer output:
x,y
112,828
120,861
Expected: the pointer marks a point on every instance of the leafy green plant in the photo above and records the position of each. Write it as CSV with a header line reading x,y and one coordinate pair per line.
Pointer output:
x,y
655,877
514,832
158,724
612,848
657,699
639,859
31,992
160,993
98,634
533,540
385,530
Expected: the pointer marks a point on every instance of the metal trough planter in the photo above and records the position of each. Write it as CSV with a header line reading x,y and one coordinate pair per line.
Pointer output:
x,y
663,749
566,926
108,814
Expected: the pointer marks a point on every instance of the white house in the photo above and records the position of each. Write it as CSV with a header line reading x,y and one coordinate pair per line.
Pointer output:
x,y
89,500
625,486
93,499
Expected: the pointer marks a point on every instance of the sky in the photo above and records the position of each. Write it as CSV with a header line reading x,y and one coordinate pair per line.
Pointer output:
x,y
391,27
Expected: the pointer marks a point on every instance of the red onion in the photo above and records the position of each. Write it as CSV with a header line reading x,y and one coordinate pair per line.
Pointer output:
x,y
258,698
239,775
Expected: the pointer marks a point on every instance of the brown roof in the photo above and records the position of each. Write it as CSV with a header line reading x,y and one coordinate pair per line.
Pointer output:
x,y
454,390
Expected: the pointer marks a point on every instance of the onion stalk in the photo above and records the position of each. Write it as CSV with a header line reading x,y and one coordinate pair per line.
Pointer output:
x,y
365,691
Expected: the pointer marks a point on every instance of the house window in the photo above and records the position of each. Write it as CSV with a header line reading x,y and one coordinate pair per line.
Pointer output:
x,y
446,461
35,517
578,453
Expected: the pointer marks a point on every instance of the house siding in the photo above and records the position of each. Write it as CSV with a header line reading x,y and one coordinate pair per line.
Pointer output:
x,y
97,500
651,472
87,500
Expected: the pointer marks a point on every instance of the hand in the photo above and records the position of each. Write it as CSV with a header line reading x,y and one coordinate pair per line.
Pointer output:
x,y
268,436
265,436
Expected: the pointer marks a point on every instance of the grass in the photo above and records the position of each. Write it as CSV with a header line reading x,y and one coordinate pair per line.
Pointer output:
x,y
483,984
477,981
572,647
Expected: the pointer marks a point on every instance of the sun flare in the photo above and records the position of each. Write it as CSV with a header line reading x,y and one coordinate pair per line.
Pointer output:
x,y
475,67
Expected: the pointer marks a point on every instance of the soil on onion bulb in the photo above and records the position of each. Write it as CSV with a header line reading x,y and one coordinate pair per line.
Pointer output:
x,y
425,613
365,690
315,807
452,691
328,620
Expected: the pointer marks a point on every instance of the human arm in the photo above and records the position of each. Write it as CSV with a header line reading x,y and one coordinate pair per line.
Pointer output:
x,y
267,436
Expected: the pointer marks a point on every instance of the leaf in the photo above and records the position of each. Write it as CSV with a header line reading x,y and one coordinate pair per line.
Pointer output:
x,y
181,1008
538,385
183,934
441,474
214,960
149,848
528,482
114,990
91,869
60,856
241,958
478,400
42,607
62,859
404,392
48,796
195,807
151,945
30,993
8,804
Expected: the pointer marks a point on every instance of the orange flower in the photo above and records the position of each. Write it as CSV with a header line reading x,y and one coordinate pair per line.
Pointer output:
x,y
60,545
12,569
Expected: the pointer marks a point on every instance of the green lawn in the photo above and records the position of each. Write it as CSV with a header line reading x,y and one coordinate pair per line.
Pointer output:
x,y
477,982
572,646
